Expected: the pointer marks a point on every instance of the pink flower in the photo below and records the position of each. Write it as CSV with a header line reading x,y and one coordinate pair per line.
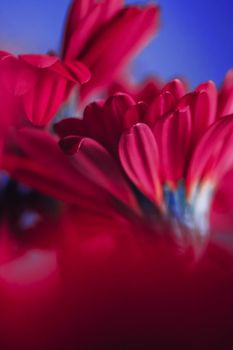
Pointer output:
x,y
142,266
166,148
115,230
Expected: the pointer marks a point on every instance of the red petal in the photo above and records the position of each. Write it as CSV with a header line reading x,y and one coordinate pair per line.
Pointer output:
x,y
11,111
70,126
114,120
40,61
176,87
78,71
222,209
203,104
213,156
84,20
139,157
95,163
160,106
112,48
173,135
74,71
4,54
44,167
70,144
105,122
205,108
135,114
225,103
81,33
92,119
54,81
17,76
150,89
43,101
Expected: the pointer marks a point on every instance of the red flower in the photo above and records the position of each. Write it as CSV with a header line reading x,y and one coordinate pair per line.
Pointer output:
x,y
144,268
128,251
105,35
166,144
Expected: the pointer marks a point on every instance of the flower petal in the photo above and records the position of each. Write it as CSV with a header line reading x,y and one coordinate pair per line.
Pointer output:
x,y
173,135
84,20
94,162
225,100
135,114
213,155
105,122
161,105
43,101
70,126
40,61
44,167
139,157
112,49
70,144
17,76
176,87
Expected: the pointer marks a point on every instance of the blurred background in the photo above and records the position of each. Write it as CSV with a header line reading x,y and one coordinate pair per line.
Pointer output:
x,y
195,38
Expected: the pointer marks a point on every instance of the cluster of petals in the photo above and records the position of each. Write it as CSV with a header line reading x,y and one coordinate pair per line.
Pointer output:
x,y
42,83
177,139
40,215
115,226
94,35
125,273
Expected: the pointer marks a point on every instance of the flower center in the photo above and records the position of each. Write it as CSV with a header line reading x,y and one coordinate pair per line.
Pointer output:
x,y
191,213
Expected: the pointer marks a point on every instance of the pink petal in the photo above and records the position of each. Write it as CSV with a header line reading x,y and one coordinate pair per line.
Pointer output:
x,y
135,114
139,157
176,87
225,102
92,120
150,89
78,71
205,108
70,126
213,156
94,162
105,122
4,54
112,48
74,71
203,104
44,167
17,76
55,80
161,105
84,20
43,101
80,32
173,134
114,120
40,61
70,144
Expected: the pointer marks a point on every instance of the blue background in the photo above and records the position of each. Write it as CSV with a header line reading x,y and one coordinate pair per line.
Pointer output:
x,y
195,38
